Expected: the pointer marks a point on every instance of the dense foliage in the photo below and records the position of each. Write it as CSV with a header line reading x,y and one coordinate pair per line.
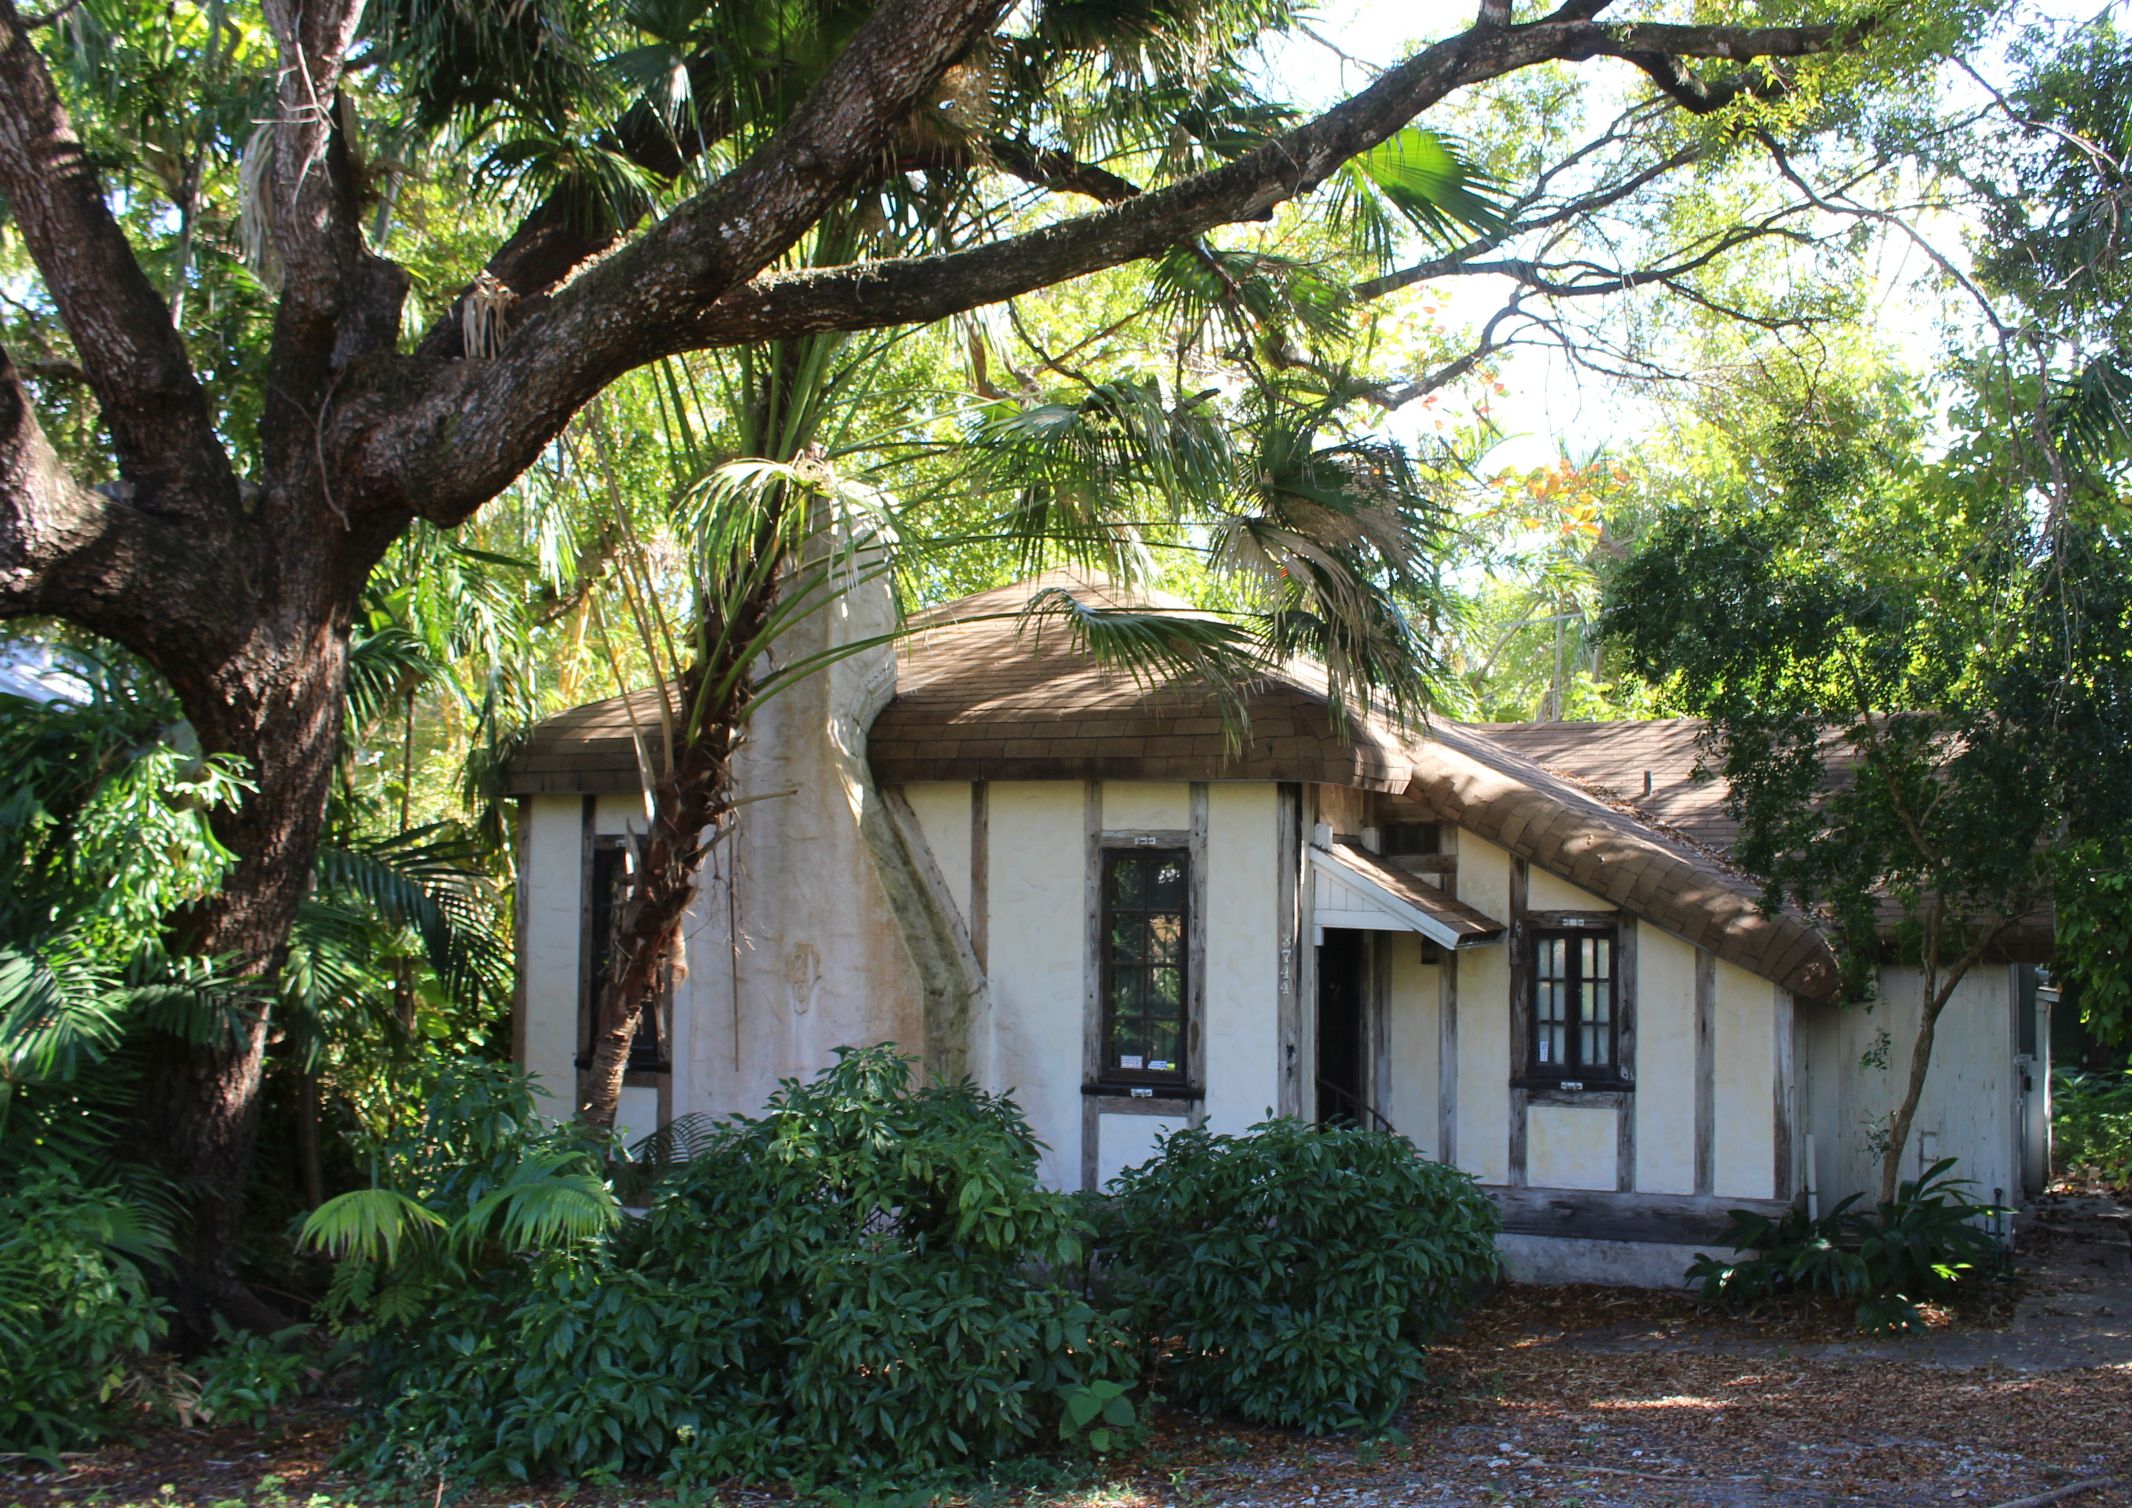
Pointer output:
x,y
1928,1242
76,1317
2091,1125
866,1278
1292,1276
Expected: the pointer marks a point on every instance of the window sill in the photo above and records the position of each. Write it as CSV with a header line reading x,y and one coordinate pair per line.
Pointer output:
x,y
1176,1094
1572,1088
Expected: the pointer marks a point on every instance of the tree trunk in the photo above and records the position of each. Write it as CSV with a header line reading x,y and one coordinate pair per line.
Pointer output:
x,y
692,797
278,705
1932,1001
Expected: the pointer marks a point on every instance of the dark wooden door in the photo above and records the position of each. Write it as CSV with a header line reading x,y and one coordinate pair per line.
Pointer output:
x,y
1342,978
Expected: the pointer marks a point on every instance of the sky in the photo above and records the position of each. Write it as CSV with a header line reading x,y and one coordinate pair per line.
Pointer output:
x,y
1550,406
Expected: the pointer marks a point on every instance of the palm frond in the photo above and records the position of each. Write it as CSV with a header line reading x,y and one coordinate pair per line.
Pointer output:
x,y
549,1197
369,1225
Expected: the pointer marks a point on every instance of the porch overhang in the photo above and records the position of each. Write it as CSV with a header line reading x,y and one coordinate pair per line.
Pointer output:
x,y
1353,888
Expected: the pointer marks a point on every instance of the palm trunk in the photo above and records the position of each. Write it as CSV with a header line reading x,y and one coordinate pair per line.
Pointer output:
x,y
691,799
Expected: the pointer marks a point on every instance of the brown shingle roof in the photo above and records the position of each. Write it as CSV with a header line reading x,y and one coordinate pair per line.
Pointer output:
x,y
1466,924
981,695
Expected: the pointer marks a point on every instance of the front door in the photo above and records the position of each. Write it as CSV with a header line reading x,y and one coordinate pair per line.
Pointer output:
x,y
1342,978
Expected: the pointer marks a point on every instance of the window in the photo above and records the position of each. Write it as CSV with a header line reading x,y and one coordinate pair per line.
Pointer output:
x,y
648,1049
1575,1020
1145,927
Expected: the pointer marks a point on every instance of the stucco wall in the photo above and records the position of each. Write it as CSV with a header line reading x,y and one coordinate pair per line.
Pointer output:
x,y
1548,892
1743,1163
1036,899
550,869
1126,1141
1412,1022
1484,1019
1243,953
1968,1110
1570,1146
943,812
1665,1063
1144,804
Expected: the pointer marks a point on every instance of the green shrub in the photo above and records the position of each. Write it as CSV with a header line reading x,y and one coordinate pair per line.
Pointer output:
x,y
247,1377
76,1317
1294,1274
2091,1124
1925,1243
858,1281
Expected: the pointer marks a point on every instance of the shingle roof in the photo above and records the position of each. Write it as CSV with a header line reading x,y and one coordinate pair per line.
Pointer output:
x,y
1459,924
983,696
1466,777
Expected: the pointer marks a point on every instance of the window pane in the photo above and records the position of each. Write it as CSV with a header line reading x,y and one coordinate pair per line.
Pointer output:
x,y
1125,887
1601,963
1165,991
1163,1046
1598,1002
1124,992
1127,934
1598,1046
1165,937
1588,1038
1551,1043
1167,891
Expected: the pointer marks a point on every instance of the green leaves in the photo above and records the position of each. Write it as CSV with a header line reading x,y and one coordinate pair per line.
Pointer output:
x,y
1292,1276
1926,1242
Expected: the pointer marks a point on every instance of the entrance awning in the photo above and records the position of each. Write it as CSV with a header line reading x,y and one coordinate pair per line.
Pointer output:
x,y
1358,890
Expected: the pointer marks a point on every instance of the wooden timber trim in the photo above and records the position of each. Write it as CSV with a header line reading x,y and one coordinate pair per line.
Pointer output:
x,y
980,874
1596,1215
1616,1093
588,836
1289,918
521,908
1520,1013
1447,1030
1625,1053
1705,1071
1782,1057
1195,946
1377,1090
1097,1099
1091,973
1447,1060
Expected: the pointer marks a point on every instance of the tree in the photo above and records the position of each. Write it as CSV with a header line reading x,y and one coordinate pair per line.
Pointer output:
x,y
231,546
1911,679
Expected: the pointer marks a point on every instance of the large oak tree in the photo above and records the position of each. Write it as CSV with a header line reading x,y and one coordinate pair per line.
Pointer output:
x,y
236,581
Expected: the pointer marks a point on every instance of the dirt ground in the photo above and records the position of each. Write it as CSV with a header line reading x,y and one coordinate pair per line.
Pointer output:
x,y
1548,1395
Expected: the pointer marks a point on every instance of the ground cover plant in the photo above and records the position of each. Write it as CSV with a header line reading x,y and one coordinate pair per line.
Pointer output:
x,y
1292,1276
1929,1242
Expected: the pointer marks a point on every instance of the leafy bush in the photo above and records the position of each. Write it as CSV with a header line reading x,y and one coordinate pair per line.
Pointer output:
x,y
247,1377
1297,1272
1925,1243
2091,1124
76,1317
856,1281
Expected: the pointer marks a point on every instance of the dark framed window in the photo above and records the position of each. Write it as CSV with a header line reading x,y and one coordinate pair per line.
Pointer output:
x,y
1576,1005
1146,924
609,872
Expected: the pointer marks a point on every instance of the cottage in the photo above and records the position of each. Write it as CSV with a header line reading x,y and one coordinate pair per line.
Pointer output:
x,y
1523,947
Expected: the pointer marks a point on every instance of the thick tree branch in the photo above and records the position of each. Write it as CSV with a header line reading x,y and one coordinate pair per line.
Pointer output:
x,y
129,348
70,550
481,423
